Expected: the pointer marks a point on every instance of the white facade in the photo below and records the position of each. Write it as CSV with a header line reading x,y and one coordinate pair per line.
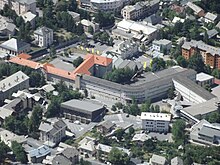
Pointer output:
x,y
155,122
110,5
161,45
43,37
204,79
210,17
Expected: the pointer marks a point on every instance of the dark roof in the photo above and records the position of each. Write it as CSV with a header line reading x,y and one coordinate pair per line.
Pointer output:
x,y
70,152
106,124
61,160
189,84
210,131
153,19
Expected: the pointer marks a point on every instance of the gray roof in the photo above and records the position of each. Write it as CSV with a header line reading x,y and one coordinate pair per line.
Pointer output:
x,y
27,1
189,84
52,127
107,124
209,130
5,23
176,161
70,152
40,152
153,19
43,31
61,160
83,105
12,81
14,45
158,159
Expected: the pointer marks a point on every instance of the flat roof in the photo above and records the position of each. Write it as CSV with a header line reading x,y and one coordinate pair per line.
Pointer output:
x,y
155,116
203,77
84,105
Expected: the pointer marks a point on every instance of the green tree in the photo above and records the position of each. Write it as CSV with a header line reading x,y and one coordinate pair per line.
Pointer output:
x,y
170,93
182,61
113,108
196,63
213,117
90,30
36,79
119,134
104,19
157,64
118,157
52,51
4,149
216,73
19,152
35,118
178,130
77,61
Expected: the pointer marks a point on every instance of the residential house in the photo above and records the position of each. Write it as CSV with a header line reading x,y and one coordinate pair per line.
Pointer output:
x,y
87,146
71,154
162,45
153,19
29,17
210,17
155,122
13,83
87,24
52,131
140,138
157,160
76,16
211,33
20,6
105,127
176,161
7,28
197,10
140,9
210,54
204,79
178,9
37,155
43,36
14,47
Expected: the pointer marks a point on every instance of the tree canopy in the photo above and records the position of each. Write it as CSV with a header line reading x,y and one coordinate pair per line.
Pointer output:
x,y
178,130
77,61
118,157
19,152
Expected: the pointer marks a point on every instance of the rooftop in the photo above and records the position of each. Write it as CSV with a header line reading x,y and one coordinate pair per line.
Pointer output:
x,y
211,16
141,137
176,161
194,7
12,81
106,124
42,31
158,159
203,77
83,105
40,152
5,23
87,143
107,149
13,44
25,62
155,116
28,16
162,42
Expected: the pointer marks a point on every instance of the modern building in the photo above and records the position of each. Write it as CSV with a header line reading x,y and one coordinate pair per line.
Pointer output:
x,y
204,79
13,83
210,54
125,49
157,160
155,122
87,24
7,28
137,31
162,45
105,127
14,47
52,131
87,146
190,91
197,10
210,17
43,36
84,111
140,9
20,6
205,133
37,155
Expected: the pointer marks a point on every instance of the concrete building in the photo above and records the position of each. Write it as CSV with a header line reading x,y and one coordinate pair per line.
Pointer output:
x,y
14,47
125,49
205,133
87,24
210,17
157,160
190,91
13,83
197,10
7,28
162,45
140,10
20,6
87,146
52,131
127,29
29,17
43,36
37,155
84,111
204,79
155,122
210,54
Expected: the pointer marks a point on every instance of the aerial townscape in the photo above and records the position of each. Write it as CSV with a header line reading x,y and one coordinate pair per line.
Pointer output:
x,y
116,82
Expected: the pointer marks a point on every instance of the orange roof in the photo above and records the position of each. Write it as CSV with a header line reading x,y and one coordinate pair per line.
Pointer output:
x,y
91,60
59,72
25,62
24,56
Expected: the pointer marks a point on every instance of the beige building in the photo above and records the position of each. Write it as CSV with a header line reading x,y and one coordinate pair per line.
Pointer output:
x,y
20,6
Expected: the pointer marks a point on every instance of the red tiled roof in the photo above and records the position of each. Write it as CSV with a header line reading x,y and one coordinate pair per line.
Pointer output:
x,y
217,81
24,56
25,62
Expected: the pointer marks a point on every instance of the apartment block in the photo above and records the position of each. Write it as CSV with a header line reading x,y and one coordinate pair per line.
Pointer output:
x,y
140,10
43,36
210,54
155,122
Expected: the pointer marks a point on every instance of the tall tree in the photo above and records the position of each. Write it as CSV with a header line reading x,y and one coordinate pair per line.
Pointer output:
x,y
19,152
178,130
35,118
118,157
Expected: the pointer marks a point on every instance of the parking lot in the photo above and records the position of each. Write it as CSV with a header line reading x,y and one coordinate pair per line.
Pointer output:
x,y
161,136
